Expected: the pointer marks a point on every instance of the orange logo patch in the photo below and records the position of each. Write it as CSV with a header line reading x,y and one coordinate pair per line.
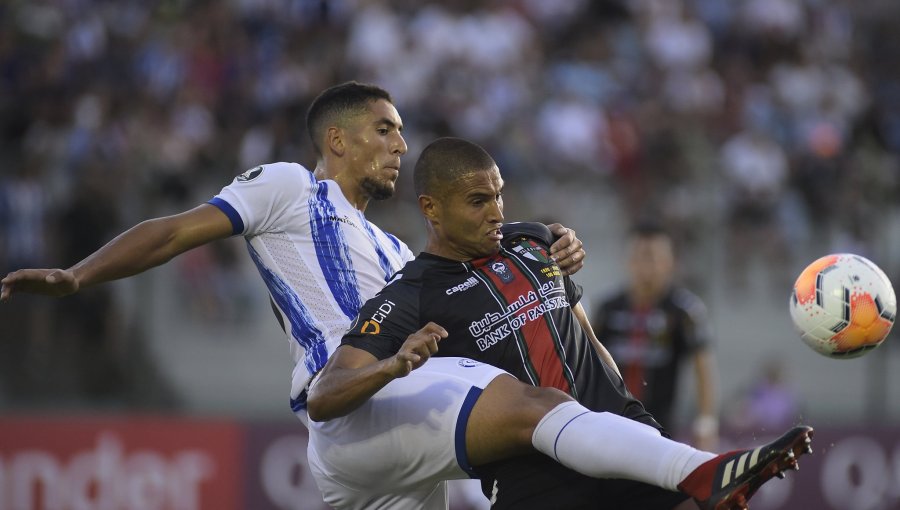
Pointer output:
x,y
370,328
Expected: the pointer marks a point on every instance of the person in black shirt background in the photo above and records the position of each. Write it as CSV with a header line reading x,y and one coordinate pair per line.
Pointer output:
x,y
655,328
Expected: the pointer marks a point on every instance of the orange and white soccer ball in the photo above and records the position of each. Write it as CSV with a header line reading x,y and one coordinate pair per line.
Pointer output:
x,y
843,305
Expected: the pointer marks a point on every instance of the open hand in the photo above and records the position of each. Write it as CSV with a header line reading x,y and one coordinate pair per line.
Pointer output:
x,y
49,282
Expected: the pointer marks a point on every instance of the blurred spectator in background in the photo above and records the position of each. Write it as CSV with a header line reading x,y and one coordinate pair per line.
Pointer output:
x,y
24,220
661,100
766,404
756,173
89,340
654,328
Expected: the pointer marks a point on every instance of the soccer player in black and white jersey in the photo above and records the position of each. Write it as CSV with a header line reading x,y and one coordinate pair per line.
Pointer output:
x,y
321,259
490,292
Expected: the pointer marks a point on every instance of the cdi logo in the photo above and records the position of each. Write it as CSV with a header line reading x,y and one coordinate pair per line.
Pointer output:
x,y
373,325
468,363
370,327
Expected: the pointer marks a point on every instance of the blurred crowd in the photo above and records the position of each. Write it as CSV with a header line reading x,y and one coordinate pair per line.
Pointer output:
x,y
775,121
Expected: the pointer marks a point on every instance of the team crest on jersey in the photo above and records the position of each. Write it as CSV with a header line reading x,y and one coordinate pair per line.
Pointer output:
x,y
502,272
251,174
532,250
468,363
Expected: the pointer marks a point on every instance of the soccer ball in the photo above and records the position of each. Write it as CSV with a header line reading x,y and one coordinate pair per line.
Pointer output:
x,y
843,305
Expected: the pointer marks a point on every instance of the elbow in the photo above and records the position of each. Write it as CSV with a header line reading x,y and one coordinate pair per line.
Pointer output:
x,y
317,407
315,411
163,240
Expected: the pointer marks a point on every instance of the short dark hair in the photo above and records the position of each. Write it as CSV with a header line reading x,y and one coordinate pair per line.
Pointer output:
x,y
445,160
335,104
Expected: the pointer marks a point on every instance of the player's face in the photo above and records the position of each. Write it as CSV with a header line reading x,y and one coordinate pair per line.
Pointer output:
x,y
651,261
375,146
471,213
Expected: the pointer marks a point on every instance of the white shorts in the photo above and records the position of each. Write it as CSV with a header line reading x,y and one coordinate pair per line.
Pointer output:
x,y
398,448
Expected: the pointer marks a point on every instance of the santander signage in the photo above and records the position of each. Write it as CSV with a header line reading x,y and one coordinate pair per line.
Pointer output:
x,y
133,464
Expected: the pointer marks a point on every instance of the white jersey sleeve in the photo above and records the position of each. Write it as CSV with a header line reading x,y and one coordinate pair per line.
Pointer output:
x,y
258,197
319,256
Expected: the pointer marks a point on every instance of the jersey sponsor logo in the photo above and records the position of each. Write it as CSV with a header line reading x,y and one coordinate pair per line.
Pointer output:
x,y
464,286
370,327
373,325
251,174
468,363
342,219
502,272
531,306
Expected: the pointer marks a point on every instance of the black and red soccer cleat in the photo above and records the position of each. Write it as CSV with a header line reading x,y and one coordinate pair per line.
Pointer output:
x,y
728,481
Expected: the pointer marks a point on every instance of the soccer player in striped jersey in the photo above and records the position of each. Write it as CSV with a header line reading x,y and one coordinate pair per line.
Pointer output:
x,y
489,292
320,258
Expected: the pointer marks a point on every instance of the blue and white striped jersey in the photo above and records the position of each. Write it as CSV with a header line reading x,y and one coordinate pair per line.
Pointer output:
x,y
320,258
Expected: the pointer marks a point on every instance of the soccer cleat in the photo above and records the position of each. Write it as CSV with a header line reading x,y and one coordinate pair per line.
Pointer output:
x,y
727,482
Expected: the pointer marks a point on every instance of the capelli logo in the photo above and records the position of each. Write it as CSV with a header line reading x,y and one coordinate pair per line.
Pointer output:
x,y
468,363
464,286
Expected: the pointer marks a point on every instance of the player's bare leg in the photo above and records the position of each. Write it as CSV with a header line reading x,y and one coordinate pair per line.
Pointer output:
x,y
512,418
503,419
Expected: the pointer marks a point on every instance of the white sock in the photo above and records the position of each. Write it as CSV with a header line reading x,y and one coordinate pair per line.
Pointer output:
x,y
606,445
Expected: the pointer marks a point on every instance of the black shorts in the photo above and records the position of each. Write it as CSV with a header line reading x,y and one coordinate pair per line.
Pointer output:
x,y
536,482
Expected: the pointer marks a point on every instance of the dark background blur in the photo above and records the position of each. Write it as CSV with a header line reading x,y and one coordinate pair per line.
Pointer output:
x,y
763,133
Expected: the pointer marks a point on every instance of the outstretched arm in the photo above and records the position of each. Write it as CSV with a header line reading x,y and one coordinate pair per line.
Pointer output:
x,y
146,245
353,375
568,250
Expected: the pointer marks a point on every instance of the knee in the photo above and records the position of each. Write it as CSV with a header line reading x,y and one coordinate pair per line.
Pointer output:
x,y
503,420
530,407
538,401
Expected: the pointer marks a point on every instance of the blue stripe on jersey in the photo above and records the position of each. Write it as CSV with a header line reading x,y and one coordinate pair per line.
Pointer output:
x,y
237,224
303,328
382,256
460,433
394,240
333,252
300,402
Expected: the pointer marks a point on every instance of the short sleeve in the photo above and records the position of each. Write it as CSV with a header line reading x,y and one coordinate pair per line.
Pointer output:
x,y
574,292
536,231
695,321
542,235
385,321
257,198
